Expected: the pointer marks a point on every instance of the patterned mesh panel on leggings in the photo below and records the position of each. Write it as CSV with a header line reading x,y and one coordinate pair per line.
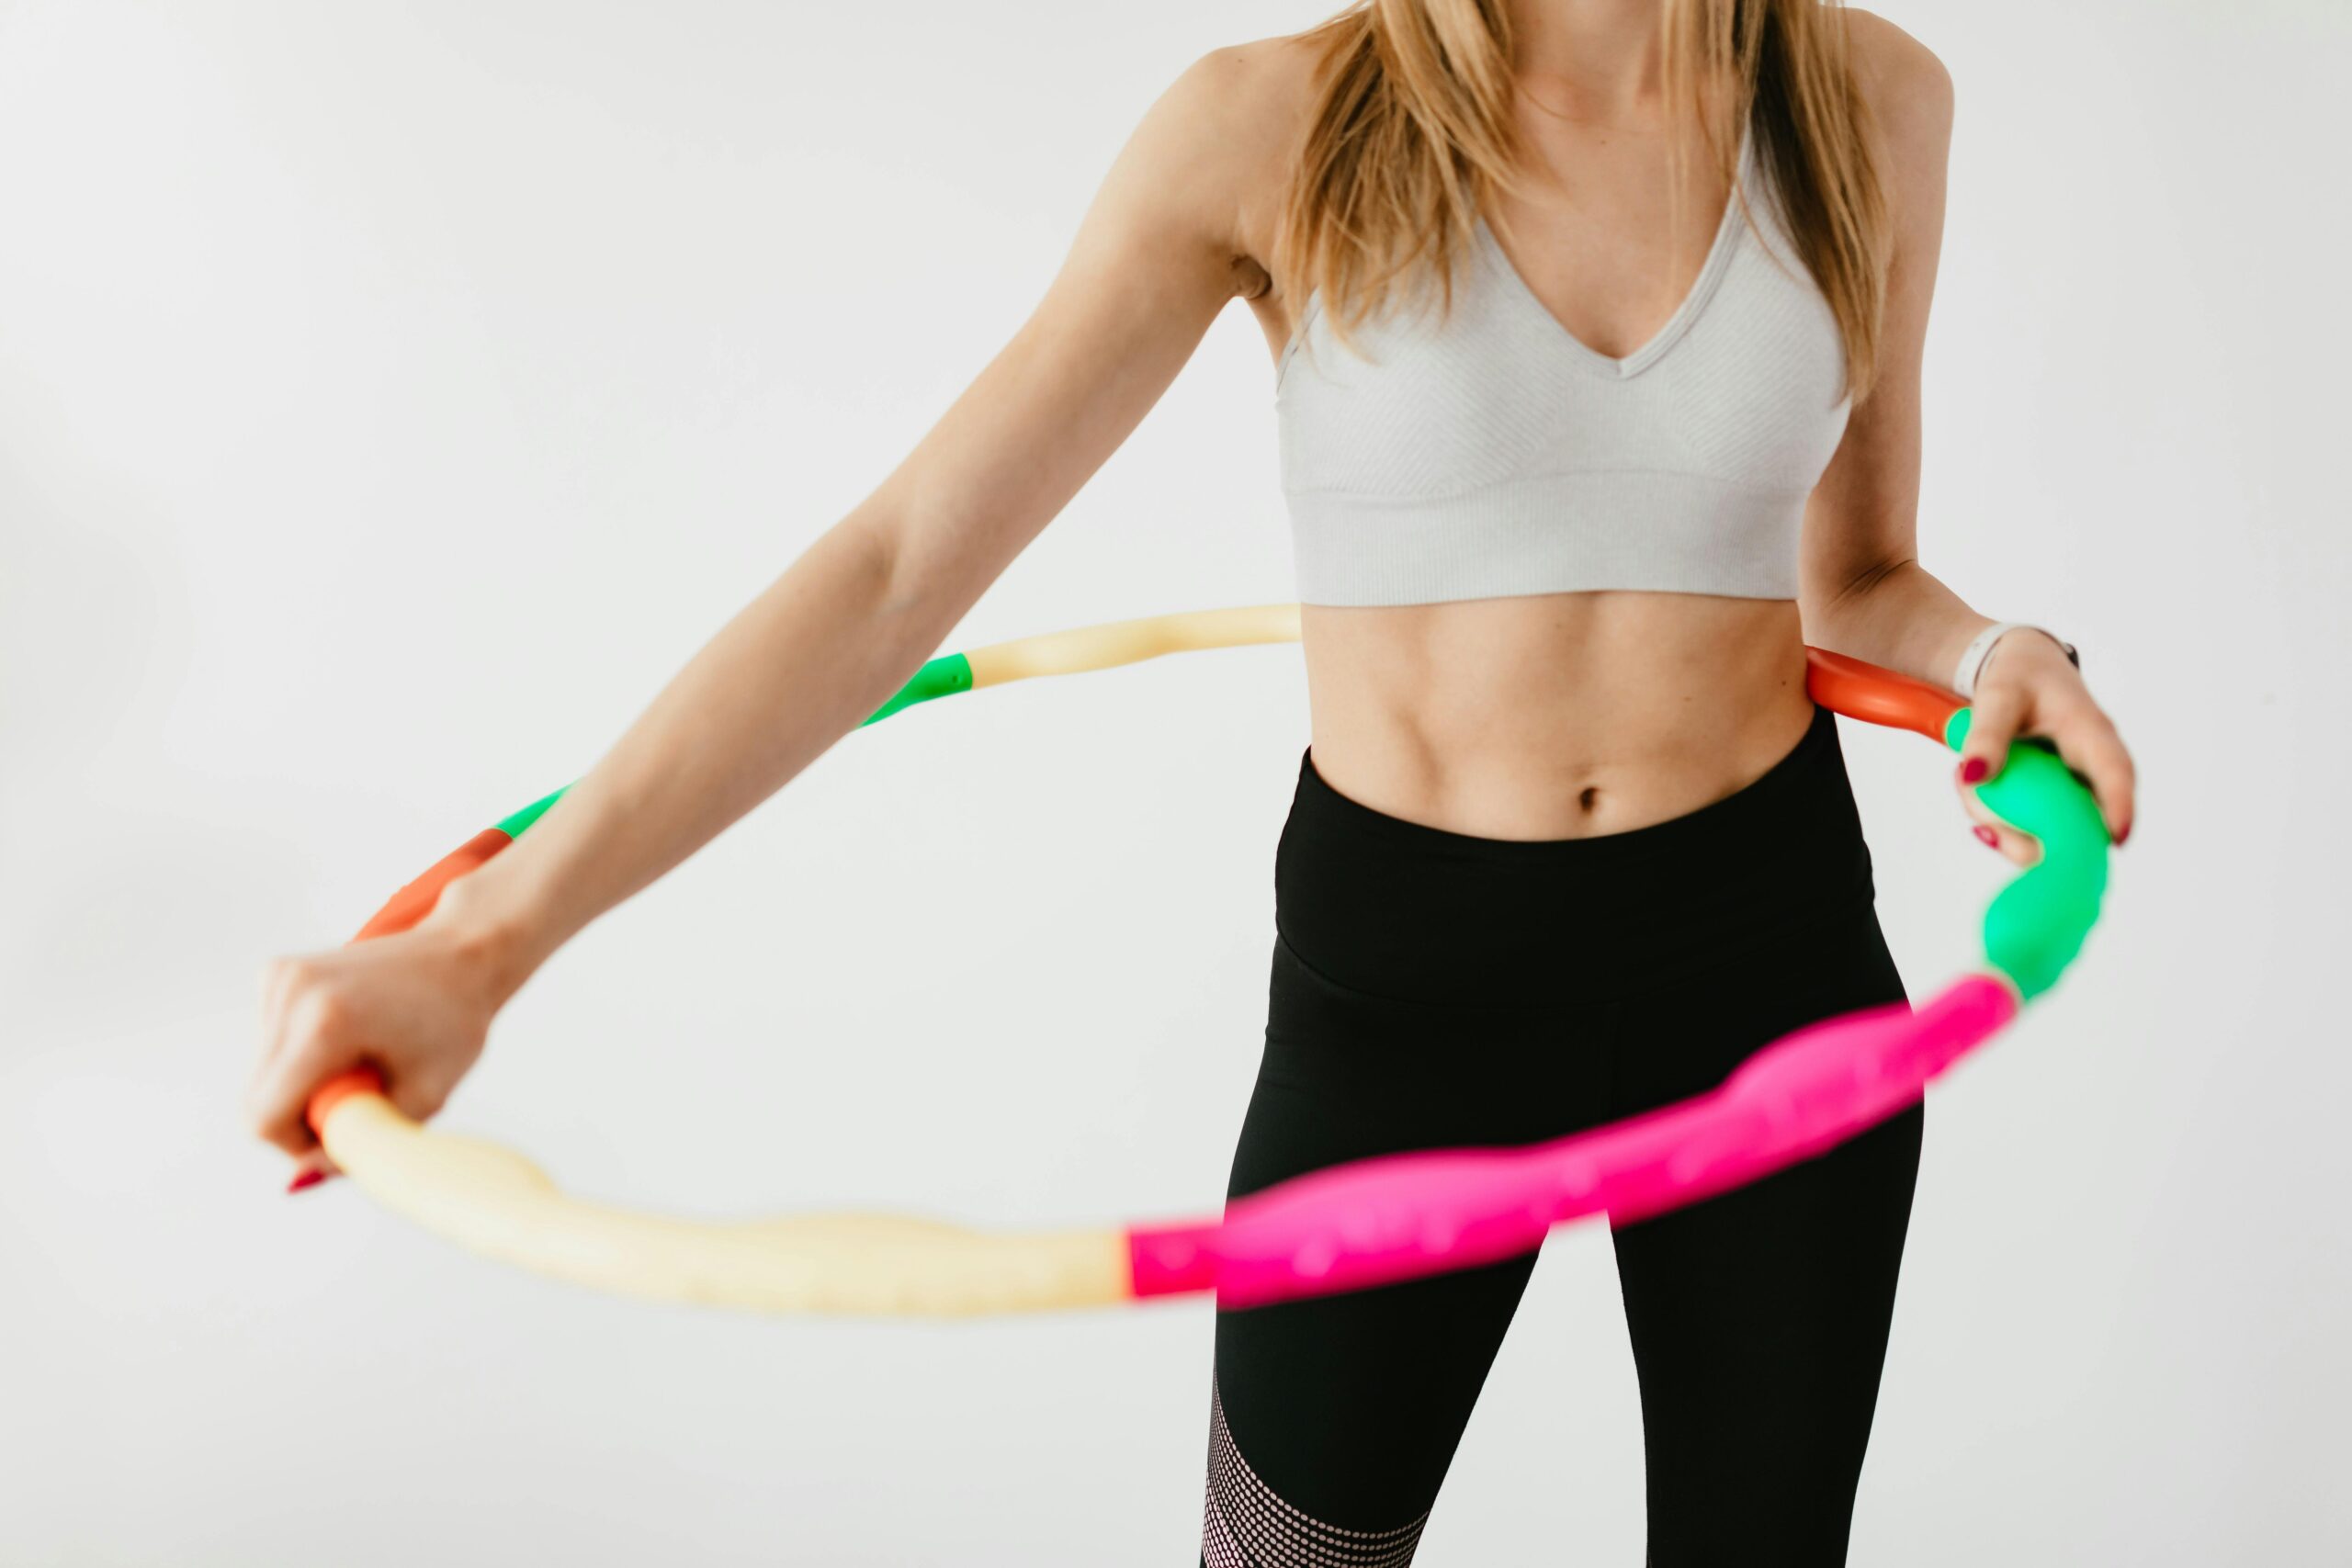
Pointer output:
x,y
1244,1525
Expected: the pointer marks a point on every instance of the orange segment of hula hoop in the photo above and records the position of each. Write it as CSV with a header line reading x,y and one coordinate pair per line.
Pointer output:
x,y
415,901
1878,696
338,1089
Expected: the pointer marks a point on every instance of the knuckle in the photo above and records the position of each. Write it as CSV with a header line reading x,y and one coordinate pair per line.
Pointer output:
x,y
278,979
319,1015
262,1112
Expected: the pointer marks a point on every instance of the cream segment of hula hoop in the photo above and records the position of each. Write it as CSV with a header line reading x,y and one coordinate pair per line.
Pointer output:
x,y
1129,642
498,1203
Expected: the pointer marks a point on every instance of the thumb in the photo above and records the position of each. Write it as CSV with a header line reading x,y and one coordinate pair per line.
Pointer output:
x,y
1990,730
421,1091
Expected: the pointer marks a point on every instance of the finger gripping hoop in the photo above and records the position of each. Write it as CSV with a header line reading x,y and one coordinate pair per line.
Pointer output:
x,y
1348,1227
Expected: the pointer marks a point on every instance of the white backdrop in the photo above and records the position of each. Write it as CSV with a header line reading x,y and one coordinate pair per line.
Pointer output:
x,y
392,397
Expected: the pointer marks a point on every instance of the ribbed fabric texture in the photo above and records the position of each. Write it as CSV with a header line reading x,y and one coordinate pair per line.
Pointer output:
x,y
1493,453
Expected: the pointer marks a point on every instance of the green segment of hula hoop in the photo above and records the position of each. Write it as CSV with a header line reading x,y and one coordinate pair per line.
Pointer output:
x,y
513,826
942,677
2034,927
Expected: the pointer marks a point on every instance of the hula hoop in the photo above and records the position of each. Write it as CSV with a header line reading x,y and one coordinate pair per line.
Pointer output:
x,y
1345,1228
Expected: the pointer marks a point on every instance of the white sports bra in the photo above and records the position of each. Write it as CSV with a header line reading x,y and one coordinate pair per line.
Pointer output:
x,y
1498,455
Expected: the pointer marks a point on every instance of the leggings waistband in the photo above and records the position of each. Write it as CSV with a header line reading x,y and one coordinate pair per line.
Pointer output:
x,y
1415,912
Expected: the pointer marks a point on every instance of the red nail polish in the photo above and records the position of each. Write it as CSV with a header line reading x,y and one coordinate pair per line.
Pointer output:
x,y
1988,838
2123,835
1974,770
305,1179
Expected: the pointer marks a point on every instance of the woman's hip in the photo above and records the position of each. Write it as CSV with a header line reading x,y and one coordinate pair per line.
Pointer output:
x,y
1410,912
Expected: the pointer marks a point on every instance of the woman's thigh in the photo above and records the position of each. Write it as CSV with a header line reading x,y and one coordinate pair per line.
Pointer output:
x,y
1759,1318
1334,1418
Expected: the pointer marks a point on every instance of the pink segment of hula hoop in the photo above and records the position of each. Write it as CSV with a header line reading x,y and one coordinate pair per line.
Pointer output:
x,y
1401,1216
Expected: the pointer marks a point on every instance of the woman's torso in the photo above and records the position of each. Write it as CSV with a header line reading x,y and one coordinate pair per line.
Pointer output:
x,y
1552,716
1563,715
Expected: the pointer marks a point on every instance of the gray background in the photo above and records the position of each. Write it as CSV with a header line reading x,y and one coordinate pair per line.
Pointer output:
x,y
392,397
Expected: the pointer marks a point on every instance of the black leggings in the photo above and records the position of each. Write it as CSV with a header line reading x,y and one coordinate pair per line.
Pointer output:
x,y
1433,988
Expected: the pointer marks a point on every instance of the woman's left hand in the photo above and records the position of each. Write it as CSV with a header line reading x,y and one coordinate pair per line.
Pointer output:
x,y
2030,688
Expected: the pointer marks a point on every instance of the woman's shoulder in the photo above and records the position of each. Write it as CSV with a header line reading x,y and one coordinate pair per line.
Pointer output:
x,y
1266,85
1235,120
1254,100
1908,89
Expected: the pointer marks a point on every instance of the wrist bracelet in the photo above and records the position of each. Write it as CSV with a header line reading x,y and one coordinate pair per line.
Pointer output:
x,y
1979,653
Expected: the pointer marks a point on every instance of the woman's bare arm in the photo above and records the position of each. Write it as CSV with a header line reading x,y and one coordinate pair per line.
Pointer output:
x,y
1864,591
1155,259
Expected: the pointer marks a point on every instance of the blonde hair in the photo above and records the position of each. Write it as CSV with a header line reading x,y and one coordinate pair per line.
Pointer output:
x,y
1413,130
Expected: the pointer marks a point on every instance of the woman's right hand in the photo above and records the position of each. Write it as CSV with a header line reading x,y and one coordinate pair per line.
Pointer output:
x,y
416,1005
